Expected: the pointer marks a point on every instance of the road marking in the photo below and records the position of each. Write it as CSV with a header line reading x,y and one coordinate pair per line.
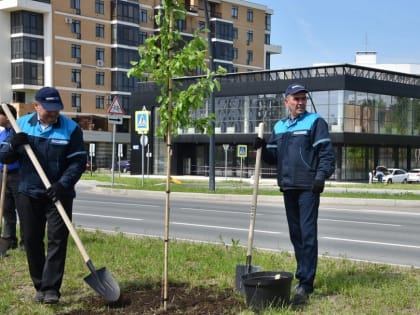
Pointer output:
x,y
217,227
218,211
115,203
105,216
372,211
360,222
369,242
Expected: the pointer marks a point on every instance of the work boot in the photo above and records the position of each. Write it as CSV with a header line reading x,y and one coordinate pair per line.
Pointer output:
x,y
38,297
51,297
300,297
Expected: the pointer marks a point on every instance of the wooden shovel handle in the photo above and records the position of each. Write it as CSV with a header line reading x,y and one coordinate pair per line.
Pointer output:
x,y
255,193
3,194
47,185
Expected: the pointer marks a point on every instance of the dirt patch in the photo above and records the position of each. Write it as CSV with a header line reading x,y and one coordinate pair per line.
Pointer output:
x,y
182,299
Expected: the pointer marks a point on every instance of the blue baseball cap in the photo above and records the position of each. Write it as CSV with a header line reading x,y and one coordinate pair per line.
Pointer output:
x,y
49,98
295,88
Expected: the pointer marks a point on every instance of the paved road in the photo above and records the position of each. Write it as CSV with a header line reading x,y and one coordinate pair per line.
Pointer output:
x,y
374,230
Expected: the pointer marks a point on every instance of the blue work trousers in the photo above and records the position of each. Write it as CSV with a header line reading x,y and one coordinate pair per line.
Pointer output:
x,y
302,216
46,263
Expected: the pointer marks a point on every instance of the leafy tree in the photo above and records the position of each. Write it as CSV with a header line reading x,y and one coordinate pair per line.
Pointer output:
x,y
165,57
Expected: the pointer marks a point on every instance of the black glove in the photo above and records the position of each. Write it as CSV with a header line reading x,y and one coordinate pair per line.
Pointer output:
x,y
55,191
259,143
19,139
318,186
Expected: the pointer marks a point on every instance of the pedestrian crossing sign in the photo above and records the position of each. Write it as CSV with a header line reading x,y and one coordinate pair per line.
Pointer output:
x,y
142,121
242,151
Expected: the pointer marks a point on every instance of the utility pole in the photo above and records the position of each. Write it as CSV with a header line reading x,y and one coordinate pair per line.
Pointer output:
x,y
212,141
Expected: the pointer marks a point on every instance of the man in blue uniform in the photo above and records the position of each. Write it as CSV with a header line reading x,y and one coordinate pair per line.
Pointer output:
x,y
301,148
57,141
10,192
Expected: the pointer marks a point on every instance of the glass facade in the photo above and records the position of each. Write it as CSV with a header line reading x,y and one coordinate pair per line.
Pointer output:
x,y
345,111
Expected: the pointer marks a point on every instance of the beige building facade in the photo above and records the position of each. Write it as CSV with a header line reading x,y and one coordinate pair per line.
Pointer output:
x,y
84,49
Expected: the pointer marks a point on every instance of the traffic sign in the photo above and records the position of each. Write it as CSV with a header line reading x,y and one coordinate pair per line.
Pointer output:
x,y
144,140
142,121
242,151
116,108
115,119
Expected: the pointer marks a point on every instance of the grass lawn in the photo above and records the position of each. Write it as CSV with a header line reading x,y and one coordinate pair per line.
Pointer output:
x,y
342,286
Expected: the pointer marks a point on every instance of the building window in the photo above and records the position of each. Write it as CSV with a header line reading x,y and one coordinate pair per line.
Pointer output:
x,y
235,53
142,38
75,4
75,27
250,15
143,16
99,7
100,54
249,37
100,102
235,33
100,78
27,22
268,22
75,51
181,24
27,48
75,76
100,30
76,100
201,25
234,12
267,39
249,56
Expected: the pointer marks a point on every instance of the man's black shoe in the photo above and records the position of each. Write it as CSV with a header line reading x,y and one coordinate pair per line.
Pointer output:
x,y
39,297
301,297
51,297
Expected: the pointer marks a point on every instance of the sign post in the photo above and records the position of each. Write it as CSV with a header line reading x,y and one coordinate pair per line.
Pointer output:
x,y
144,142
91,155
226,148
142,127
115,113
241,153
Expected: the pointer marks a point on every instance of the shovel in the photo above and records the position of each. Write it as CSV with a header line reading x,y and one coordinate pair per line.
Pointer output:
x,y
100,280
248,268
4,244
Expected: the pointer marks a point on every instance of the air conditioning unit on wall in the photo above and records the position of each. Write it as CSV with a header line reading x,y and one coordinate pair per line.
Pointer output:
x,y
68,20
100,63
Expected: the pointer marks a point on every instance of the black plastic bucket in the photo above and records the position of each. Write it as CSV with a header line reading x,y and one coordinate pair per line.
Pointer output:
x,y
242,270
267,289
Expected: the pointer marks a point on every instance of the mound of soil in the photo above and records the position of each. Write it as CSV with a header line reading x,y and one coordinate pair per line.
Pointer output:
x,y
182,299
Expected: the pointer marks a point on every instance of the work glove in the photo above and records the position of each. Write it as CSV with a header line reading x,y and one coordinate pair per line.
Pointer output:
x,y
18,140
55,191
259,143
318,186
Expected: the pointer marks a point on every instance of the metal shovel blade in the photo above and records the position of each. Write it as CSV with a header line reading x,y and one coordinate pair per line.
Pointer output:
x,y
243,270
104,284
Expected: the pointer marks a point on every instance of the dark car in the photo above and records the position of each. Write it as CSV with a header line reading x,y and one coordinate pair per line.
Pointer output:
x,y
122,166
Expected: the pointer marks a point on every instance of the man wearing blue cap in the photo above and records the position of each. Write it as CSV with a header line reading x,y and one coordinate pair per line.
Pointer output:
x,y
301,148
57,141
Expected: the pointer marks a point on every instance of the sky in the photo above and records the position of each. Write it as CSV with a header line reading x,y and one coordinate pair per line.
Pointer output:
x,y
332,31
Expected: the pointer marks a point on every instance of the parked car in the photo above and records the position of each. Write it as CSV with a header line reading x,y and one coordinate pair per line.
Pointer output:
x,y
414,175
392,175
122,166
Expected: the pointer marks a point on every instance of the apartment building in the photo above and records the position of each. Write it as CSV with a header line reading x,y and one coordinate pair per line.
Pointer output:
x,y
85,48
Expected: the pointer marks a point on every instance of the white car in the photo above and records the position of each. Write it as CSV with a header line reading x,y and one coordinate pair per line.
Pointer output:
x,y
393,175
414,175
